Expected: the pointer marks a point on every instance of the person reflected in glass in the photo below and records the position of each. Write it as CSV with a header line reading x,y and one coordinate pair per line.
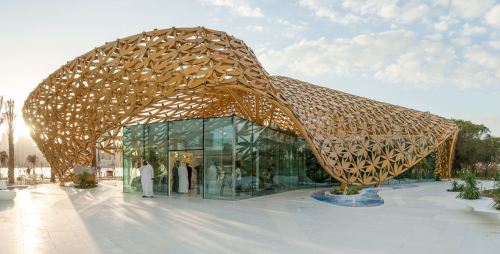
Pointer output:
x,y
183,178
147,177
212,178
190,174
163,178
199,179
175,177
237,172
269,175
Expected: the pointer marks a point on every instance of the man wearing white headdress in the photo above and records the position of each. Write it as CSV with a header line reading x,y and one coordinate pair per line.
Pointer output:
x,y
147,176
183,179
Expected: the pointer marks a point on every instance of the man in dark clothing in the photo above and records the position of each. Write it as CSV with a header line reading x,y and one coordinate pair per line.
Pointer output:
x,y
199,177
190,173
175,174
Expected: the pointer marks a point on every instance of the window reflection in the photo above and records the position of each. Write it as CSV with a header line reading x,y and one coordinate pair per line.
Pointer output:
x,y
235,158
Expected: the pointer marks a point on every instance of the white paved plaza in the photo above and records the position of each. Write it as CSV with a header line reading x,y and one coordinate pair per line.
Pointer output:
x,y
424,219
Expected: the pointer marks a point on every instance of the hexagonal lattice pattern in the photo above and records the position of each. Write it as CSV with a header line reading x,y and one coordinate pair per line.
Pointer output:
x,y
197,72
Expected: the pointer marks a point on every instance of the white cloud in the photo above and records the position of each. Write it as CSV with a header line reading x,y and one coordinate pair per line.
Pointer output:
x,y
493,16
323,9
461,41
365,7
495,43
240,8
470,30
434,37
470,9
482,57
407,11
445,22
291,29
254,28
441,26
423,64
442,3
352,11
411,12
469,75
362,52
397,56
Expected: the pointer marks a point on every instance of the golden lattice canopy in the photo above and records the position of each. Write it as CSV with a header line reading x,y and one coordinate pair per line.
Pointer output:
x,y
183,73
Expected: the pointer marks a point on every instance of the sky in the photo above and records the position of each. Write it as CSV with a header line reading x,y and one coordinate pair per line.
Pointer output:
x,y
441,56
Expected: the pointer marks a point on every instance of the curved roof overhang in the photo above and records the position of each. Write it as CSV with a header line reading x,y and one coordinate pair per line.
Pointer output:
x,y
183,73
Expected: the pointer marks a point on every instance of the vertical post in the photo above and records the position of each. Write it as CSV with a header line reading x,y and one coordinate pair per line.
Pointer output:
x,y
97,159
123,158
234,157
169,170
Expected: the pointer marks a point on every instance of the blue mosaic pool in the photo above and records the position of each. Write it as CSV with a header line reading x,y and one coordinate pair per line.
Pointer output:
x,y
367,198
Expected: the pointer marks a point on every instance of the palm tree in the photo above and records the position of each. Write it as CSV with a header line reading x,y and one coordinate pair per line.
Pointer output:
x,y
3,159
10,116
32,159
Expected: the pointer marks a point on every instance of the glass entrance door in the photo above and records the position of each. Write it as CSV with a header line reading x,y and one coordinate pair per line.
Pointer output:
x,y
186,173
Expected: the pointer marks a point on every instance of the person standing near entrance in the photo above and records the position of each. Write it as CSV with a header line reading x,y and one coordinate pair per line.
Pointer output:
x,y
175,174
147,176
183,179
190,173
199,179
237,171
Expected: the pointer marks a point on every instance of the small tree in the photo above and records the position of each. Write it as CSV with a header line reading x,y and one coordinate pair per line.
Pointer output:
x,y
470,190
9,116
3,159
32,160
475,146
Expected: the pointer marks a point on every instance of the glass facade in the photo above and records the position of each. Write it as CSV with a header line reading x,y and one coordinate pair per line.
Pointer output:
x,y
227,158
423,171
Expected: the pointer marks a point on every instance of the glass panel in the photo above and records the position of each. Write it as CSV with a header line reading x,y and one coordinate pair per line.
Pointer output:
x,y
284,162
218,151
186,134
187,181
263,161
155,148
274,146
294,163
133,152
318,176
423,171
305,175
267,168
245,179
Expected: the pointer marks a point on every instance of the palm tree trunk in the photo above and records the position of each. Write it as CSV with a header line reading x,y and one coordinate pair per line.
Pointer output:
x,y
11,157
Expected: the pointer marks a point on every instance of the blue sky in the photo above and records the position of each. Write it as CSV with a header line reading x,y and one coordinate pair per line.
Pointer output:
x,y
441,56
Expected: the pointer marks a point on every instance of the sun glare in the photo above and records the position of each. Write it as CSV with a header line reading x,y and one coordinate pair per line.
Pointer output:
x,y
21,129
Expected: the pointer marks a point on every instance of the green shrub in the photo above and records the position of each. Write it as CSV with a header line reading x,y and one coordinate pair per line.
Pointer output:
x,y
353,190
491,193
470,190
456,187
497,176
336,191
496,202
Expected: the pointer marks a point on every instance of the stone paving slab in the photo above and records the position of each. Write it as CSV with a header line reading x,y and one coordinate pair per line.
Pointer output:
x,y
424,219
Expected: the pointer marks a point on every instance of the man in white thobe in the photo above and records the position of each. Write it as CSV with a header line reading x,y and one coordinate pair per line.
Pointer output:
x,y
147,175
183,179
